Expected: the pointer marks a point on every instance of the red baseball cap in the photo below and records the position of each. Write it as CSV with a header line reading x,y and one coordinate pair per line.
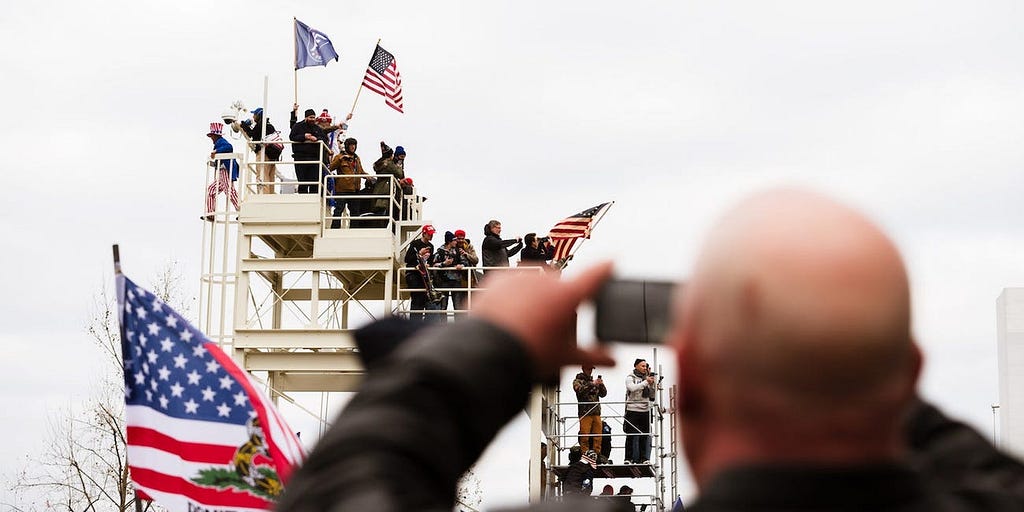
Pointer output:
x,y
460,233
428,229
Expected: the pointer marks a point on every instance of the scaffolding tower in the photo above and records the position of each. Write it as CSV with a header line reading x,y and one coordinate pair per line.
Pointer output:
x,y
556,423
281,291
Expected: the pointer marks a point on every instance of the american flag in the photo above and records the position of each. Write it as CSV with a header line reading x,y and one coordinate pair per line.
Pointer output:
x,y
382,78
566,232
201,436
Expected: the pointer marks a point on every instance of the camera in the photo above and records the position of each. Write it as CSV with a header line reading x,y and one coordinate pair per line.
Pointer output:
x,y
544,239
633,311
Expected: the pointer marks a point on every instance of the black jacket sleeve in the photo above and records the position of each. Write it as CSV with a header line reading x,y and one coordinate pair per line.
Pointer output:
x,y
960,465
419,420
513,245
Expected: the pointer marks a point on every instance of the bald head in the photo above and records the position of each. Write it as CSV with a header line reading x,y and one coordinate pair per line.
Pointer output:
x,y
798,312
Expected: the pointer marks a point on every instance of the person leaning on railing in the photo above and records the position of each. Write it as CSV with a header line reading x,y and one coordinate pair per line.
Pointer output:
x,y
386,167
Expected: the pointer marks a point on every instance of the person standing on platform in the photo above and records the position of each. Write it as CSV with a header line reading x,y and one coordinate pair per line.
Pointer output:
x,y
349,173
267,153
308,139
637,421
226,171
589,392
496,251
414,277
467,278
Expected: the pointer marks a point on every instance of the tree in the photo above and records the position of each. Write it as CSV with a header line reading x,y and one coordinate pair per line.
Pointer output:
x,y
84,465
468,494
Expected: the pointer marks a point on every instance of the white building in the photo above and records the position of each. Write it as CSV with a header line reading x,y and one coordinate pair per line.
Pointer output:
x,y
1010,320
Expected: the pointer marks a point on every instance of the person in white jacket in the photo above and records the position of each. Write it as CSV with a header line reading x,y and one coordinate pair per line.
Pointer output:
x,y
637,422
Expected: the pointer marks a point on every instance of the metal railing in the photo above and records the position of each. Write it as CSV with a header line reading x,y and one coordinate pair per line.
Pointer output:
x,y
474,283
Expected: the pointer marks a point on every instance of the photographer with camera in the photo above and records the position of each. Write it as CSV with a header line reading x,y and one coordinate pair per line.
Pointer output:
x,y
255,130
537,252
588,393
640,387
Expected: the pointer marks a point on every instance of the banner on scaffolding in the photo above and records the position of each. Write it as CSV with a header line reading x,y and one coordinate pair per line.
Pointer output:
x,y
200,434
576,227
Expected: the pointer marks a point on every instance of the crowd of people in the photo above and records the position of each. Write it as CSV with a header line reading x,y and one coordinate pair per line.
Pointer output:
x,y
798,383
432,273
322,152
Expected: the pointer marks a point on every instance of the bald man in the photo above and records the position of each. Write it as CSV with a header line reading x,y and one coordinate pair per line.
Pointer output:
x,y
797,367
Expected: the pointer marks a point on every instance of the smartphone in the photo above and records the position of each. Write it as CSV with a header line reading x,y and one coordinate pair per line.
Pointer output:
x,y
633,311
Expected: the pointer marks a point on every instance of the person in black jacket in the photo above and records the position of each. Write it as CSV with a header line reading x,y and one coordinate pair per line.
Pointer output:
x,y
537,252
798,383
307,138
266,154
496,251
414,278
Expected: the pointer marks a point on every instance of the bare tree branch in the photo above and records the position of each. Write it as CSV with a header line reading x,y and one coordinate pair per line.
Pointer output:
x,y
84,465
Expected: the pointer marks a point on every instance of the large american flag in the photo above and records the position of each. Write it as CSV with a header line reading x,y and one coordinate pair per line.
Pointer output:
x,y
565,234
201,436
382,78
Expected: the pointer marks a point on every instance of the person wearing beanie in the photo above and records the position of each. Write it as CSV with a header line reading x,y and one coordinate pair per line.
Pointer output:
x,y
308,152
579,476
400,156
223,168
385,167
448,256
347,163
637,420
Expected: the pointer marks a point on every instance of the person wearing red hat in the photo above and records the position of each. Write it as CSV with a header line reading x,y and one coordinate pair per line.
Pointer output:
x,y
460,300
414,278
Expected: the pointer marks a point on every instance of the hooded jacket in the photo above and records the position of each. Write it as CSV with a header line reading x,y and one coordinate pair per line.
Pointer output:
x,y
496,251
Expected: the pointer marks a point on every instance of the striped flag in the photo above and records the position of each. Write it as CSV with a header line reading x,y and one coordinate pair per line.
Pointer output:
x,y
565,233
382,78
201,436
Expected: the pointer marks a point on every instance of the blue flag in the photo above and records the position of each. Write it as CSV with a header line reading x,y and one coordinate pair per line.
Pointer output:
x,y
312,47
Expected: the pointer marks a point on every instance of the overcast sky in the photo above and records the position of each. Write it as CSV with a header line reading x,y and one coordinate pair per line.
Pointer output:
x,y
525,112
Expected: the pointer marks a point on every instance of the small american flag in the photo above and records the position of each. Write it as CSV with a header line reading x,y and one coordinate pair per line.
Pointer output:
x,y
382,78
566,232
201,436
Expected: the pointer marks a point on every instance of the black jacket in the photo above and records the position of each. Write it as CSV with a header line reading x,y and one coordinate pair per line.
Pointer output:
x,y
496,251
375,456
256,133
538,256
302,149
413,278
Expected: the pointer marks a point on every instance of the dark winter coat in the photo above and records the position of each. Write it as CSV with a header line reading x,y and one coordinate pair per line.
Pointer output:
x,y
496,251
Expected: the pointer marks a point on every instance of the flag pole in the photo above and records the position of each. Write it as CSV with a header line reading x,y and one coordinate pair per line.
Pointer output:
x,y
117,260
295,56
576,247
119,279
353,110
